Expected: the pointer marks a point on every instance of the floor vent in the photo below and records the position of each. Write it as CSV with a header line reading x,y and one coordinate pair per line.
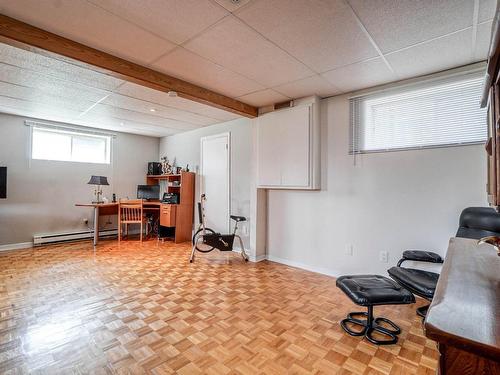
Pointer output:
x,y
49,238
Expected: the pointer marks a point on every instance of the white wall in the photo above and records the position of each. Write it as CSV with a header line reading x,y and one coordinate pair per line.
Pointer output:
x,y
41,197
185,147
387,201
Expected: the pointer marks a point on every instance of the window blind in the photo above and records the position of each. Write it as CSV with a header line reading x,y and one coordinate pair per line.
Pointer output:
x,y
437,113
68,144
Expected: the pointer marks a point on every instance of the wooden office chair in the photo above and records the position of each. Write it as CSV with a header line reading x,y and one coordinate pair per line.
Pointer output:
x,y
130,212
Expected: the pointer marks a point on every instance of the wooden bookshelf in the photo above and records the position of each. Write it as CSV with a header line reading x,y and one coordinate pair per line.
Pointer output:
x,y
180,215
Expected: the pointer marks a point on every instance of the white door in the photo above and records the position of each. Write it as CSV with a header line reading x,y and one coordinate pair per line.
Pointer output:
x,y
214,175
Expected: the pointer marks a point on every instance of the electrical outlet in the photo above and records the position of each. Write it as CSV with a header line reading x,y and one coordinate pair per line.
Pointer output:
x,y
349,249
384,256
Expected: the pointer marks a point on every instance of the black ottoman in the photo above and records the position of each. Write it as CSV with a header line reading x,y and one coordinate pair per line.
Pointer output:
x,y
369,291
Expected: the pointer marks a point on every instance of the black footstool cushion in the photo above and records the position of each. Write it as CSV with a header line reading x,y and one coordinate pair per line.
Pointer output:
x,y
421,282
422,256
370,290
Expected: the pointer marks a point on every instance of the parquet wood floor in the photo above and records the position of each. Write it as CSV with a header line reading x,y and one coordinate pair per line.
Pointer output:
x,y
134,309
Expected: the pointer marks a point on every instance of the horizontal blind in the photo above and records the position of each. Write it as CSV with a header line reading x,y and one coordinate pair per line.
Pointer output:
x,y
62,144
437,113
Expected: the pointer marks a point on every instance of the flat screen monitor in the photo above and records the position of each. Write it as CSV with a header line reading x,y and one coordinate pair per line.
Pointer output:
x,y
3,182
149,192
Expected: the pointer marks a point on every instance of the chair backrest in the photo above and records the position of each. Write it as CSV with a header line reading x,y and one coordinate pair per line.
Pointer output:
x,y
131,210
478,222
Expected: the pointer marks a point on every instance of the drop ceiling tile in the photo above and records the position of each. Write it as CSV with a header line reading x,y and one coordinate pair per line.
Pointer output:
x,y
103,110
175,20
127,126
486,10
263,98
439,54
47,85
236,46
158,97
137,105
83,22
232,6
42,110
395,24
360,75
483,37
322,34
53,68
63,99
190,67
315,85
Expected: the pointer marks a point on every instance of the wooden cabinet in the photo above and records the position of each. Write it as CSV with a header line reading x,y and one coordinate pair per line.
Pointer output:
x,y
288,147
167,215
464,318
491,98
178,217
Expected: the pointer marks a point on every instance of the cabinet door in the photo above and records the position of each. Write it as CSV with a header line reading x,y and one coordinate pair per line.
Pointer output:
x,y
268,150
295,151
491,149
167,215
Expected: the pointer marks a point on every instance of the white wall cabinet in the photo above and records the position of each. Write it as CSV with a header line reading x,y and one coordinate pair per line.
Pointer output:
x,y
288,144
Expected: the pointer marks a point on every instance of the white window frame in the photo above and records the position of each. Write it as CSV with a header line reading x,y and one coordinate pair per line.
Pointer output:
x,y
72,131
417,84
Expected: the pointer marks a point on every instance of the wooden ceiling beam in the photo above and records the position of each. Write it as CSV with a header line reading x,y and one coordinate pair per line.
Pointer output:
x,y
23,35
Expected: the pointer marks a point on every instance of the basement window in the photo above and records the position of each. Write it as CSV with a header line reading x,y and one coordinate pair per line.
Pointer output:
x,y
439,113
67,144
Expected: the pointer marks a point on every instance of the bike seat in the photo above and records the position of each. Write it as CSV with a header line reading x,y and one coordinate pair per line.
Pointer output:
x,y
238,218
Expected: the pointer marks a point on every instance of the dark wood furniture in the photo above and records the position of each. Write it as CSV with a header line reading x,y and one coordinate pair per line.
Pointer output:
x,y
464,316
491,99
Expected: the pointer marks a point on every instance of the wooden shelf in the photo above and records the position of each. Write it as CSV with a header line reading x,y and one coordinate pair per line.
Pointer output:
x,y
181,217
162,176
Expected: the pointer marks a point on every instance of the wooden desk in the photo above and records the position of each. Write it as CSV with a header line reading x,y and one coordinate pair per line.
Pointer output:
x,y
104,209
464,316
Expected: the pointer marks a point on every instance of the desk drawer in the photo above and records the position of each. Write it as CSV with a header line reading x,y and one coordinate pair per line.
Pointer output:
x,y
167,215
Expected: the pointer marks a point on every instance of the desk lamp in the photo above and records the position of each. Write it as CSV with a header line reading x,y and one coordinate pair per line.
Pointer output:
x,y
98,181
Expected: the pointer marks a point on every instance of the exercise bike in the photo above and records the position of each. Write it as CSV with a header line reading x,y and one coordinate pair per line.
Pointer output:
x,y
205,239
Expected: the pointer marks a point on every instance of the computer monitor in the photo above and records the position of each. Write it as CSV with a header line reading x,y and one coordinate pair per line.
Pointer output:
x,y
148,192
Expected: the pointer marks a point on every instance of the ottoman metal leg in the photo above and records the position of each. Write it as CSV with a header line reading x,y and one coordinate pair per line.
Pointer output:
x,y
422,311
371,326
357,322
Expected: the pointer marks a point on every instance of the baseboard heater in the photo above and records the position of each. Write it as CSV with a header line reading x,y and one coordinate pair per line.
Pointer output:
x,y
50,238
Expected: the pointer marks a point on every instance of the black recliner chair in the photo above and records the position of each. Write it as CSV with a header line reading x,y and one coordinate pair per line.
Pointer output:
x,y
475,223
